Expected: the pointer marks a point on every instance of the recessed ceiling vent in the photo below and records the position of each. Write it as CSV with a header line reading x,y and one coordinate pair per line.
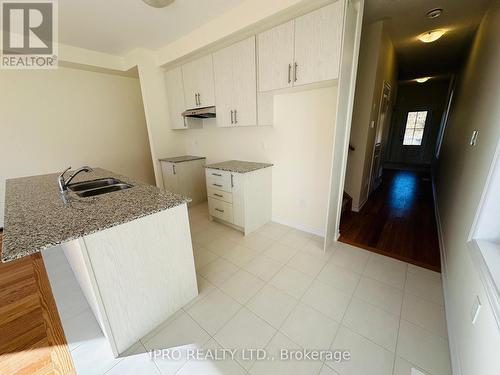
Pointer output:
x,y
434,13
158,3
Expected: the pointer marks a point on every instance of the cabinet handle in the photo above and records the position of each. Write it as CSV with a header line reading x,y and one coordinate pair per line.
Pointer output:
x,y
295,72
218,195
289,73
232,181
195,99
217,185
199,99
235,116
218,209
232,122
216,174
173,168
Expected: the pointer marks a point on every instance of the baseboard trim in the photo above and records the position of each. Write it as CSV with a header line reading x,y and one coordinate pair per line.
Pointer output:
x,y
452,340
299,226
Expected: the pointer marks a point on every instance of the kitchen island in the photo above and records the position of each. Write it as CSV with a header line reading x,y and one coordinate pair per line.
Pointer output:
x,y
130,249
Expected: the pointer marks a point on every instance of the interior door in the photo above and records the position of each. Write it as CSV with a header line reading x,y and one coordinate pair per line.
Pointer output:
x,y
381,135
245,83
317,45
276,57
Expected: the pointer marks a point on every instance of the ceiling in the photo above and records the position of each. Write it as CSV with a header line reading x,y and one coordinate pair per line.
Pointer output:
x,y
406,19
119,26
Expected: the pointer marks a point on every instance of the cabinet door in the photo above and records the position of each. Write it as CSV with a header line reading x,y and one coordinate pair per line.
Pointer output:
x,y
238,189
175,96
191,180
224,87
317,44
170,177
245,83
276,57
198,78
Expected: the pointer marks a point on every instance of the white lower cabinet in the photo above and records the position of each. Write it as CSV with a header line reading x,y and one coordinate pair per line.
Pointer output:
x,y
242,200
186,178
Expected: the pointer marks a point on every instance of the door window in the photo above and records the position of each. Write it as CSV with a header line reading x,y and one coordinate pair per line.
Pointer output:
x,y
414,129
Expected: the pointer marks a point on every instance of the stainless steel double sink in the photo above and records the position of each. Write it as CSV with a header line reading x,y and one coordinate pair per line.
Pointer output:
x,y
97,187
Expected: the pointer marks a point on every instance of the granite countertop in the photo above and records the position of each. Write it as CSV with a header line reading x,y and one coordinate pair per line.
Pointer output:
x,y
238,166
36,217
183,158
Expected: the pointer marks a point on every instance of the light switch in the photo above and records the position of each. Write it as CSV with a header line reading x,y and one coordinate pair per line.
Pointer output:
x,y
476,307
372,124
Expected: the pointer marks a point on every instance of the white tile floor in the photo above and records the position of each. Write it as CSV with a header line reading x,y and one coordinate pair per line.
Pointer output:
x,y
276,289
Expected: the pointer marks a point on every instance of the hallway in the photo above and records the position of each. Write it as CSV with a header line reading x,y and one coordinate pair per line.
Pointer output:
x,y
398,220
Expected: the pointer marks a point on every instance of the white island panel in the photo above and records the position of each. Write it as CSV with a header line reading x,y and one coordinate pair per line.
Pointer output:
x,y
141,273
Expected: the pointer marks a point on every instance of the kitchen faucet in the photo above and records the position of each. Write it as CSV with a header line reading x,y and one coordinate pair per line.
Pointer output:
x,y
63,184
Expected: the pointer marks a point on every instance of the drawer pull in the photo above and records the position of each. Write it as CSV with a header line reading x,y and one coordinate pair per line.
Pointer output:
x,y
218,195
216,174
218,209
218,185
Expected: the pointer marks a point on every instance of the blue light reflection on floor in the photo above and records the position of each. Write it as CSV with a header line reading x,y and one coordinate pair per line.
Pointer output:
x,y
403,189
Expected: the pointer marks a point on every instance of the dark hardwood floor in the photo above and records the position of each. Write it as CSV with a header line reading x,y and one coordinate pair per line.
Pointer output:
x,y
398,220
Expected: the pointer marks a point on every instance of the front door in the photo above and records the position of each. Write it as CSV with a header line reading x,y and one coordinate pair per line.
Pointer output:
x,y
412,136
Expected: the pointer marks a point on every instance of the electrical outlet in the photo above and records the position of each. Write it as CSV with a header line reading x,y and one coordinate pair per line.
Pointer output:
x,y
476,307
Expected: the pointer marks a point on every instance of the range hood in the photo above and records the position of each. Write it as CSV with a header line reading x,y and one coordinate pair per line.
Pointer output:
x,y
206,112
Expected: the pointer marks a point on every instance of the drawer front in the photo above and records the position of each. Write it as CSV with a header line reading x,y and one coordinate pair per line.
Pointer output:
x,y
220,194
220,209
218,179
219,183
216,174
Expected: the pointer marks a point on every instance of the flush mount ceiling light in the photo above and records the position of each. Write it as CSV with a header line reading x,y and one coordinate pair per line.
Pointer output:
x,y
423,79
434,13
431,36
158,3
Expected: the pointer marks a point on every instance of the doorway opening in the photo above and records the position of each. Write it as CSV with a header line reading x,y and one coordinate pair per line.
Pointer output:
x,y
404,91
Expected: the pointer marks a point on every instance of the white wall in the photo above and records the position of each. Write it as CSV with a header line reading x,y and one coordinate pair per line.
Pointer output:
x,y
462,172
299,145
377,63
51,119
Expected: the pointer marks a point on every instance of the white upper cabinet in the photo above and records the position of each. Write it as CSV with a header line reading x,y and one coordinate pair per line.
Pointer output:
x,y
317,45
236,84
198,79
245,83
302,51
223,77
276,57
175,96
